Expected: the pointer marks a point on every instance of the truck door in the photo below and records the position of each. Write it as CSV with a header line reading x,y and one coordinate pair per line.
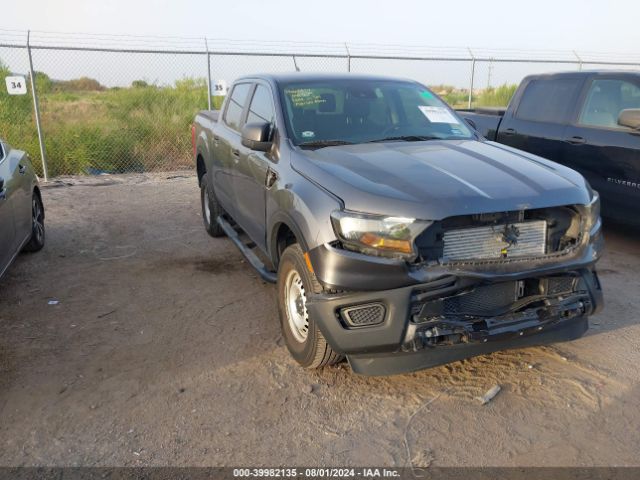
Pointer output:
x,y
7,230
226,145
252,170
540,115
606,153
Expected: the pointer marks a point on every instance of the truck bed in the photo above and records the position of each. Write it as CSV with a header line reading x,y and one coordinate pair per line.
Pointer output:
x,y
486,119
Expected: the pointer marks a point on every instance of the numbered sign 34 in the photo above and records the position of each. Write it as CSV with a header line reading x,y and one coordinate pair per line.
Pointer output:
x,y
219,88
16,85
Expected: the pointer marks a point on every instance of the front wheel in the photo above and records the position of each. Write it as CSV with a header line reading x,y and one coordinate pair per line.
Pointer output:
x,y
304,340
37,225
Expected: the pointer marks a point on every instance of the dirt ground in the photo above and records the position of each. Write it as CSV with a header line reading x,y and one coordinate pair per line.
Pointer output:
x,y
165,349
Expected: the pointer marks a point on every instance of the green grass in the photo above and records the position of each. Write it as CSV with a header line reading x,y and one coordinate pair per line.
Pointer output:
x,y
89,128
489,97
496,97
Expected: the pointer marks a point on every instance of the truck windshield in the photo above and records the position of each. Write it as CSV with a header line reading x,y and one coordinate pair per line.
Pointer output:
x,y
348,111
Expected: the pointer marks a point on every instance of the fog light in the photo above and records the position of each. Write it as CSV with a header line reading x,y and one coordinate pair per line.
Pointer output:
x,y
363,315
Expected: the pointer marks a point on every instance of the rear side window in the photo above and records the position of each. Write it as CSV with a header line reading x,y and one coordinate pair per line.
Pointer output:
x,y
548,100
233,114
605,100
261,107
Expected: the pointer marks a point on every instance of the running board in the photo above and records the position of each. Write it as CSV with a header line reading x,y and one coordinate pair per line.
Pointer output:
x,y
252,258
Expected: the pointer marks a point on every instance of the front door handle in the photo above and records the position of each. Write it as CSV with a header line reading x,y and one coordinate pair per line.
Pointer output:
x,y
236,153
575,140
510,131
22,169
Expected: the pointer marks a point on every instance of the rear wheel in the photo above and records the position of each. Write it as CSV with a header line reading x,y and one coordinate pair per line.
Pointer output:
x,y
304,340
211,209
37,225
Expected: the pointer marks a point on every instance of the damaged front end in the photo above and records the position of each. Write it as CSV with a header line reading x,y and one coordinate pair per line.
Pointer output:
x,y
479,283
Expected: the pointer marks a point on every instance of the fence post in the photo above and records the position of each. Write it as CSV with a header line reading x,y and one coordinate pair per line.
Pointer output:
x,y
348,57
579,60
36,108
473,72
295,64
206,46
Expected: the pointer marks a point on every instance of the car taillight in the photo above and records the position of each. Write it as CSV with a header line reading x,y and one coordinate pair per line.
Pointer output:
x,y
193,140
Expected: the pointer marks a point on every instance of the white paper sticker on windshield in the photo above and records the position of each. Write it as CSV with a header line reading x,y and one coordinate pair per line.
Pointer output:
x,y
437,114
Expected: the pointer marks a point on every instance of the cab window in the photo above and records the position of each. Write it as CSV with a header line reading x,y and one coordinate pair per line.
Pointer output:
x,y
605,100
233,113
261,107
548,100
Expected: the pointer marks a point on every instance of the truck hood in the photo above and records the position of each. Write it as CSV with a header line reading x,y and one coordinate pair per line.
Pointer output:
x,y
437,179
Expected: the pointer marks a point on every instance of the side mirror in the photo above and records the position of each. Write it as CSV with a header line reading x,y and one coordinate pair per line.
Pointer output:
x,y
256,136
630,118
471,123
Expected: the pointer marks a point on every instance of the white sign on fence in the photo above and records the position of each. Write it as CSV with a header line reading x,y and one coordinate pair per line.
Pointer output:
x,y
16,85
219,88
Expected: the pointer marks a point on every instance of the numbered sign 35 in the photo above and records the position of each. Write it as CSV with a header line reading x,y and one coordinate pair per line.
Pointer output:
x,y
16,85
219,88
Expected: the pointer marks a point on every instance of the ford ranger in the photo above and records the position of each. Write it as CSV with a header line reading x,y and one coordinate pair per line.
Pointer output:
x,y
589,121
398,237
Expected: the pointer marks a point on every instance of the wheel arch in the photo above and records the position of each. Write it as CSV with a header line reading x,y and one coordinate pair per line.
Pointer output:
x,y
201,168
284,232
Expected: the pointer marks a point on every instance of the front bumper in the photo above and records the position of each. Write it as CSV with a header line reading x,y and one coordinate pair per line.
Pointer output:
x,y
405,338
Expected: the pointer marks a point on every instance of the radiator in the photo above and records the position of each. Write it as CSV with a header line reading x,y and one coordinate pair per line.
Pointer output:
x,y
525,239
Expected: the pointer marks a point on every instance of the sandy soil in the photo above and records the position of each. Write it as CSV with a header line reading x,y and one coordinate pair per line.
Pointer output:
x,y
165,349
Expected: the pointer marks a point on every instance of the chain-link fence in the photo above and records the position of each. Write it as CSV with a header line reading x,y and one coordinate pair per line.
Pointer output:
x,y
113,104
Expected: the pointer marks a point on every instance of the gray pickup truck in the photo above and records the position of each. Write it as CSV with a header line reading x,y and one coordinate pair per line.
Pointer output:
x,y
397,236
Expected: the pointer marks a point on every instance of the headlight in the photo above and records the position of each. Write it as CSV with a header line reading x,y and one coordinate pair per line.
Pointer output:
x,y
378,235
593,211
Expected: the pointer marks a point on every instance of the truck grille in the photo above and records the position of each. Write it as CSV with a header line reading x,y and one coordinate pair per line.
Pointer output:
x,y
524,239
483,299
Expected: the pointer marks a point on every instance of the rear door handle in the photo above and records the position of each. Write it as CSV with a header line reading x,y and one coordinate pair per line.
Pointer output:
x,y
22,169
576,140
236,153
510,131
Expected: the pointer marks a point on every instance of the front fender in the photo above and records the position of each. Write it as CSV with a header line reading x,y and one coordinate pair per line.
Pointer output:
x,y
304,207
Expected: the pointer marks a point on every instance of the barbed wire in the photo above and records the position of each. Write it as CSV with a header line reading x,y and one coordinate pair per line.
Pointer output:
x,y
190,44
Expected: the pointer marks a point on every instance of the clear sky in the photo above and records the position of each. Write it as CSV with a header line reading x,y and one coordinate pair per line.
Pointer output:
x,y
561,25
598,25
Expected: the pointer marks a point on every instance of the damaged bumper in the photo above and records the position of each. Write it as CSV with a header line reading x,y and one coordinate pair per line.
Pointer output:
x,y
389,318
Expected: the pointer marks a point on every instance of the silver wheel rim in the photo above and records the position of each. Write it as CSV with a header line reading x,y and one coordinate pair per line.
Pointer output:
x,y
296,306
205,205
38,221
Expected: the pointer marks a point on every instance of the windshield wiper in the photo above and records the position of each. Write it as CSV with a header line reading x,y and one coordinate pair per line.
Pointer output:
x,y
405,138
324,143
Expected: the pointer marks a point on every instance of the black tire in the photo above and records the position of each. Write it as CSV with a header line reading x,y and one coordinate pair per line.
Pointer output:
x,y
211,209
37,225
312,350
